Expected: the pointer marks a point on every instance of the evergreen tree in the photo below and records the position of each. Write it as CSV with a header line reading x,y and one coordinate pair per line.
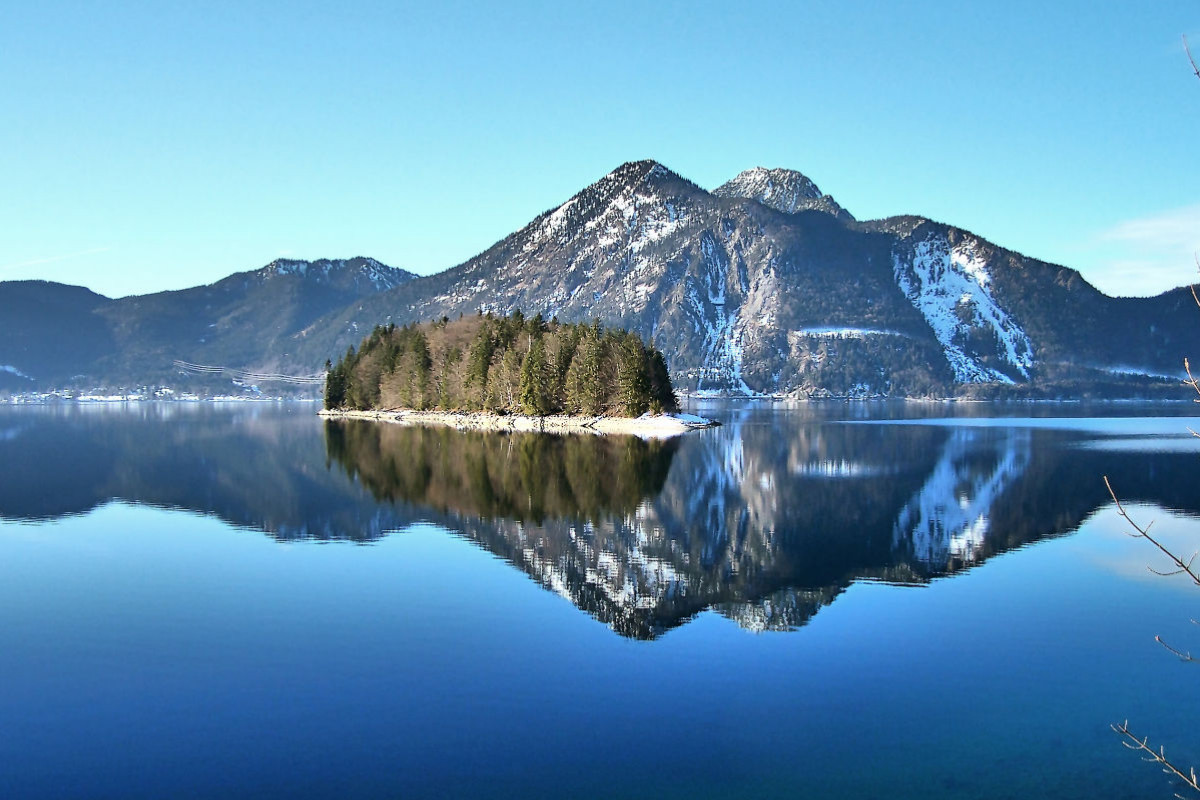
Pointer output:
x,y
335,385
584,392
417,367
633,376
479,360
564,343
662,394
536,395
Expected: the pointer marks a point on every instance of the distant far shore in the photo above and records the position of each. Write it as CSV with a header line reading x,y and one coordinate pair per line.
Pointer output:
x,y
654,426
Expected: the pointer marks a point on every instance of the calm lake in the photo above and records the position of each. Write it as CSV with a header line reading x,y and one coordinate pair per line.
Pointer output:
x,y
841,600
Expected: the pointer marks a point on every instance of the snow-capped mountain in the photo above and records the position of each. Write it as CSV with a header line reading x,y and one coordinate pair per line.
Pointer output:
x,y
365,274
765,285
748,289
783,190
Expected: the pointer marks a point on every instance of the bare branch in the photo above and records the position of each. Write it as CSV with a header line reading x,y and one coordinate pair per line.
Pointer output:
x,y
1182,656
1159,757
1192,382
1131,741
1144,532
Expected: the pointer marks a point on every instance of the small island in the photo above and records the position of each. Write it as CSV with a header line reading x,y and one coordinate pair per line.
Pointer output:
x,y
490,372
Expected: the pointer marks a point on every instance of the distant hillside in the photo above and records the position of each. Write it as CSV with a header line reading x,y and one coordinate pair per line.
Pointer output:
x,y
58,335
48,329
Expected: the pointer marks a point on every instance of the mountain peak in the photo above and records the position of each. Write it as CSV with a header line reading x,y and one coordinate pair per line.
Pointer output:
x,y
644,171
777,181
325,269
784,190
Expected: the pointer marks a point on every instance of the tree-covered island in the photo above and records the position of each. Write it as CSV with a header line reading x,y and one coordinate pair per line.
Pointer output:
x,y
512,365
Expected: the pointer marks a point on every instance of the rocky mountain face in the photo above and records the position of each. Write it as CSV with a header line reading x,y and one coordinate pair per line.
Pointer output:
x,y
767,285
56,334
783,190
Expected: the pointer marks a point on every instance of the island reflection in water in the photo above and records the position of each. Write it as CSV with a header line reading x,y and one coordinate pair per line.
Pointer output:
x,y
526,477
761,520
764,520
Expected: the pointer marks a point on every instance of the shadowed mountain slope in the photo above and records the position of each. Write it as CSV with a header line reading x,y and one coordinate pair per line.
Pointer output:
x,y
54,333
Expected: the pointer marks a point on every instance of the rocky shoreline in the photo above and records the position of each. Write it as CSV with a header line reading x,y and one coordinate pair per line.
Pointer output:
x,y
653,426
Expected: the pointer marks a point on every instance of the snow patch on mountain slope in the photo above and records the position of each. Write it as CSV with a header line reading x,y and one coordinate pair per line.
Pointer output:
x,y
557,221
378,274
9,368
635,218
721,326
844,333
951,287
288,266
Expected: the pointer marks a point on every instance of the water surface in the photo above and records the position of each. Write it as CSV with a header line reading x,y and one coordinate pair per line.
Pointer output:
x,y
835,601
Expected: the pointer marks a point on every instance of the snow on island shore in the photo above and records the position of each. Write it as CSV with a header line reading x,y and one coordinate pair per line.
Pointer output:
x,y
649,426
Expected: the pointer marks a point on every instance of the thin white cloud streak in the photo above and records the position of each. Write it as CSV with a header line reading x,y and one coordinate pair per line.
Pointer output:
x,y
1176,229
52,259
1147,255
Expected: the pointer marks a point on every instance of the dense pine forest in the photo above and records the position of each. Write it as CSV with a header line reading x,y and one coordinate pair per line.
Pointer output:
x,y
505,365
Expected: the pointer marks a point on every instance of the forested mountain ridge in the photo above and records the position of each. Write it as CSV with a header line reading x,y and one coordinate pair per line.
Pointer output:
x,y
505,365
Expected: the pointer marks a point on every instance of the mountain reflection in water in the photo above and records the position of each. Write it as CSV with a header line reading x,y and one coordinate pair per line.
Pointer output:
x,y
765,520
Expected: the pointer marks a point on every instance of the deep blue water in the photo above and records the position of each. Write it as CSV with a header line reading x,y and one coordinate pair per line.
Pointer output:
x,y
840,601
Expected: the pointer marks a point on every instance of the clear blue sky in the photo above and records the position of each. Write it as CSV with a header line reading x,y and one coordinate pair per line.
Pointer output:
x,y
150,146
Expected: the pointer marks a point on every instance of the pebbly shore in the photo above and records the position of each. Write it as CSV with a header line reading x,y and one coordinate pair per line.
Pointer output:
x,y
654,426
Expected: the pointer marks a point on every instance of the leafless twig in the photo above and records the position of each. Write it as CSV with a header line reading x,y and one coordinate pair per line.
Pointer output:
x,y
1191,381
1130,740
1144,532
1159,757
1182,655
1183,567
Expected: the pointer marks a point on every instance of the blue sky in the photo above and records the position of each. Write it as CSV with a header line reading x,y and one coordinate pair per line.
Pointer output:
x,y
151,146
